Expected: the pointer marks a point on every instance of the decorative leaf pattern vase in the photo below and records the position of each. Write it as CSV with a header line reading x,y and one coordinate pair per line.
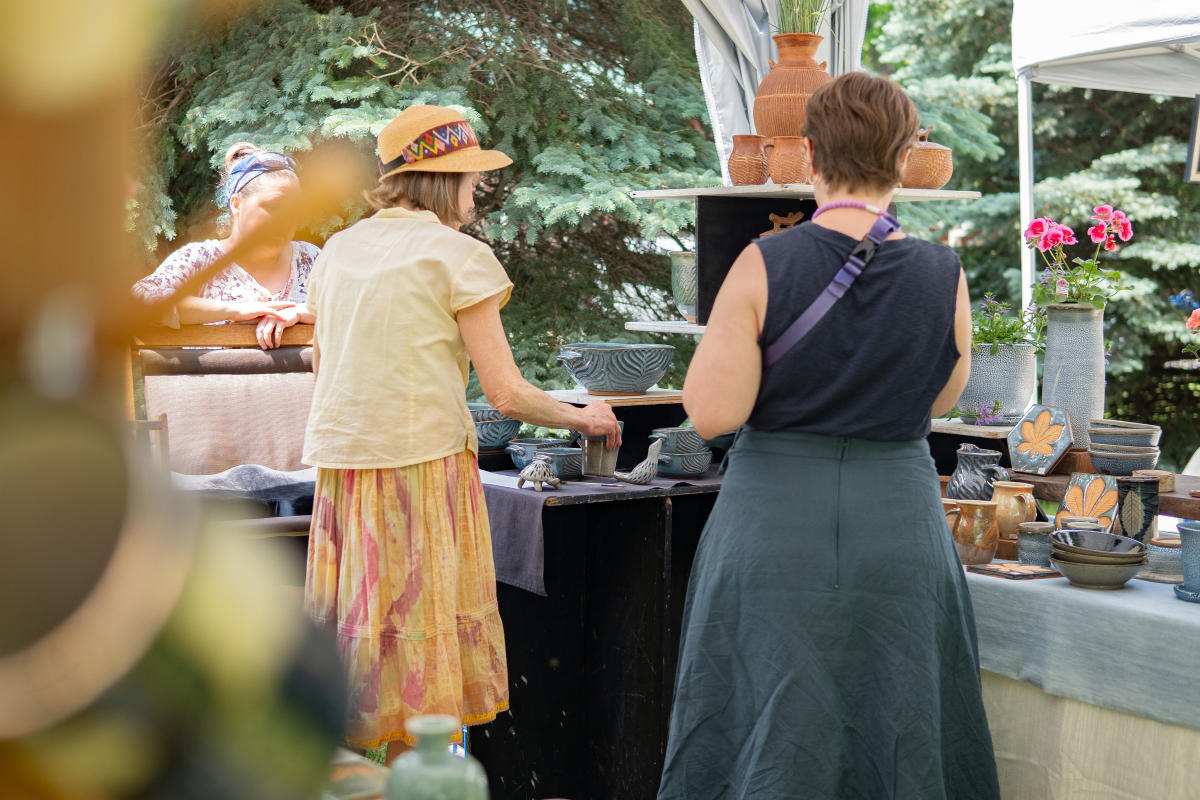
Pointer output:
x,y
1137,499
1073,374
977,469
430,771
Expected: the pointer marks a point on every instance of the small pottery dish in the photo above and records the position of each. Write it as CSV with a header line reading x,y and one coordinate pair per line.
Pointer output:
x,y
1096,542
1164,562
679,440
567,462
1184,594
1111,463
608,368
1124,436
482,412
684,465
521,451
1120,423
1096,576
1076,557
496,434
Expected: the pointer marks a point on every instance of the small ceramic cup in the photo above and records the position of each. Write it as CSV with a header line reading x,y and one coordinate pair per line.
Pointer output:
x,y
1033,543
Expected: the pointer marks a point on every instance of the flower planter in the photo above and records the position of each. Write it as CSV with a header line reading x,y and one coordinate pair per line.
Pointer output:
x,y
1073,375
1008,376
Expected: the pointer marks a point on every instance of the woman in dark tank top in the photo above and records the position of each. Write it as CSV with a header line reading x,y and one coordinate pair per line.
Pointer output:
x,y
828,646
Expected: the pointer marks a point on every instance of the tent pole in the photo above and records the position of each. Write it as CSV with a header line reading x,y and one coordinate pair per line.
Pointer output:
x,y
1025,154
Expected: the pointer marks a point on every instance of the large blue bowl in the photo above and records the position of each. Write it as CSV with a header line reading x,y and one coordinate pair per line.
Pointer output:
x,y
496,434
615,368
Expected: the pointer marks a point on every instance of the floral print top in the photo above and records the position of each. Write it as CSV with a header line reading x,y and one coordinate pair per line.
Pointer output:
x,y
233,283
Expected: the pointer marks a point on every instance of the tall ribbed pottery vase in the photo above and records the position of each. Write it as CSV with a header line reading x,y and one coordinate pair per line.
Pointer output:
x,y
1073,375
1009,376
780,101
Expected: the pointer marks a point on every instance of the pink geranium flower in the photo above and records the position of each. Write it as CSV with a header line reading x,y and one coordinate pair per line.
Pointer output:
x,y
1068,235
1193,322
1103,212
1098,233
1036,229
1110,244
1053,238
1126,231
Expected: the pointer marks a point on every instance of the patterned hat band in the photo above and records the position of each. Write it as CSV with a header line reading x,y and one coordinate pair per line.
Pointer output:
x,y
432,143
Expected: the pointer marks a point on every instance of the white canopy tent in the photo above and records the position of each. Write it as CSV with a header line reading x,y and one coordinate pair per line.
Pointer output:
x,y
733,46
1150,47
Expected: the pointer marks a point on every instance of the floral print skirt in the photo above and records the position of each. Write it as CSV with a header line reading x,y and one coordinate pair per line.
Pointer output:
x,y
400,563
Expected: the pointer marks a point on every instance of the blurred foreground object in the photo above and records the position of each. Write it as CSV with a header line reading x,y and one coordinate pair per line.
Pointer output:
x,y
139,655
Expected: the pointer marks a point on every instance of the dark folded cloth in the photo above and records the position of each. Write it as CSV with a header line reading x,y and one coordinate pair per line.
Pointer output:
x,y
515,516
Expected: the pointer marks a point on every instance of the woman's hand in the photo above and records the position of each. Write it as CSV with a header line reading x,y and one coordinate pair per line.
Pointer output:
x,y
598,419
269,330
247,312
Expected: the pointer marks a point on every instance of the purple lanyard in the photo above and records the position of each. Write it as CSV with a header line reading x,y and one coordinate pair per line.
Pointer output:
x,y
858,259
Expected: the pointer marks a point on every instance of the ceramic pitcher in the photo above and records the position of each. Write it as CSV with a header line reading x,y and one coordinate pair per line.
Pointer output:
x,y
952,511
1014,505
748,160
977,469
977,534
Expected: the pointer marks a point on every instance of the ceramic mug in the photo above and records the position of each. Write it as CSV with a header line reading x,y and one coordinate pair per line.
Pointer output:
x,y
1033,543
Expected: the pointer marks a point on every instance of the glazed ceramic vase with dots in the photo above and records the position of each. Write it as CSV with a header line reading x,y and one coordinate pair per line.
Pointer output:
x,y
976,535
973,477
1073,373
430,771
1189,547
1007,376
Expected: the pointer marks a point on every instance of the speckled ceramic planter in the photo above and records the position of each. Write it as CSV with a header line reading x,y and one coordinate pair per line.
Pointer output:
x,y
1009,376
1189,541
1073,375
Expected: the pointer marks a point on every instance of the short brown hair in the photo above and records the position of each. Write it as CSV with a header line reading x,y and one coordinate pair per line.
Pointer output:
x,y
432,191
860,126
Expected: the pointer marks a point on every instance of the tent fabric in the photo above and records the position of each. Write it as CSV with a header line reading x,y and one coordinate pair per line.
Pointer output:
x,y
734,47
1152,48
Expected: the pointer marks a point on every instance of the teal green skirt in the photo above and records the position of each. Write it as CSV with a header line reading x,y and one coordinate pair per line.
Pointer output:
x,y
828,647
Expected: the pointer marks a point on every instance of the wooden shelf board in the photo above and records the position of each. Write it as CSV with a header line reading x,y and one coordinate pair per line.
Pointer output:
x,y
665,326
957,427
232,335
653,397
793,190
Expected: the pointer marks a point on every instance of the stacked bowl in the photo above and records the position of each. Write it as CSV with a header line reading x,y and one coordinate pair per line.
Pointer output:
x,y
1119,447
1095,559
684,453
493,429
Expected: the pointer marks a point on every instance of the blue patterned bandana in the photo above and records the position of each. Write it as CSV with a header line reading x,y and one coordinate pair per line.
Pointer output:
x,y
247,169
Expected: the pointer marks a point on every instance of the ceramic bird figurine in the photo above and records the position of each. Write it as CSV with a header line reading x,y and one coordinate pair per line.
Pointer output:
x,y
538,471
646,471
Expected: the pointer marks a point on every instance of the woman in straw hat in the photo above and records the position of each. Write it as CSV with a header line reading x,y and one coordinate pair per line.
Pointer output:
x,y
400,556
268,285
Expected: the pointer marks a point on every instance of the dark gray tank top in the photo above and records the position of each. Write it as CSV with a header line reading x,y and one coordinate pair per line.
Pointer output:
x,y
872,367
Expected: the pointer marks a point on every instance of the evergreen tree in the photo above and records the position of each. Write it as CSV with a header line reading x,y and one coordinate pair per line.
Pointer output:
x,y
1091,147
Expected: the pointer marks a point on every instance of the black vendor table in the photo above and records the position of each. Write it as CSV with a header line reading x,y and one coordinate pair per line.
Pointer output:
x,y
592,662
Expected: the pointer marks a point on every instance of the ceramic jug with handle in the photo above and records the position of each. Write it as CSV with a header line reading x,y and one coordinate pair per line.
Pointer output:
x,y
976,471
977,534
1014,505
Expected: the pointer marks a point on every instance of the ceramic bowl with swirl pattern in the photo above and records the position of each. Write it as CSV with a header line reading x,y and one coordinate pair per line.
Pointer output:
x,y
614,368
522,451
684,465
567,462
496,434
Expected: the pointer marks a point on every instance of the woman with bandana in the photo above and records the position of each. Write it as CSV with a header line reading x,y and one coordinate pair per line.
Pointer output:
x,y
270,284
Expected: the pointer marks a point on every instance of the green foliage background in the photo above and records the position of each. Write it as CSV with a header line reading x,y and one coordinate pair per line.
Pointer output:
x,y
594,98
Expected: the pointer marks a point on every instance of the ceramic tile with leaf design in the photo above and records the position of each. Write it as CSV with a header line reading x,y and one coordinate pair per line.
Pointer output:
x,y
1039,440
1090,496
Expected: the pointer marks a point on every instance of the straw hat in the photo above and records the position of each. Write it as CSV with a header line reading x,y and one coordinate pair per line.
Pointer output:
x,y
433,139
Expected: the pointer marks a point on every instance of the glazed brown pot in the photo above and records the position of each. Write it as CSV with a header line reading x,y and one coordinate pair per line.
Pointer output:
x,y
748,161
1014,505
977,534
782,97
930,165
787,159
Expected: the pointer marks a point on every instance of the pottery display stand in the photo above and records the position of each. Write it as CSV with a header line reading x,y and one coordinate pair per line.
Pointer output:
x,y
1075,460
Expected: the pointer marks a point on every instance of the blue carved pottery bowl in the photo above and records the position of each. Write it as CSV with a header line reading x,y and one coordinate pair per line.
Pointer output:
x,y
1125,436
482,412
522,451
1096,576
567,462
496,434
614,368
679,440
684,465
1092,542
1112,462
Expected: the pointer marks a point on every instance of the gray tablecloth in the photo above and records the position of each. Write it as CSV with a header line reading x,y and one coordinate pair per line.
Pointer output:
x,y
516,518
1136,650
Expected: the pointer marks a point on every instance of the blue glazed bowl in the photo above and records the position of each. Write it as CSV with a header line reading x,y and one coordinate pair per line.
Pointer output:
x,y
522,451
1125,436
679,440
496,434
614,368
567,462
684,465
1111,462
482,412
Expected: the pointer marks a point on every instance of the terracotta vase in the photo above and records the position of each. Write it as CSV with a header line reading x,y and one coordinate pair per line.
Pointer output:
x,y
787,159
748,161
781,99
977,533
1014,505
929,166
